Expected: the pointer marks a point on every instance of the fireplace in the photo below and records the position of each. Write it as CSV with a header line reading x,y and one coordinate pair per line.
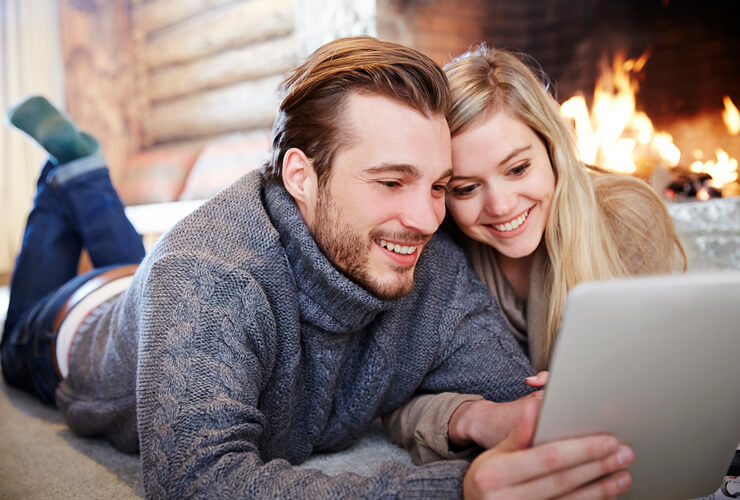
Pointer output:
x,y
690,52
683,62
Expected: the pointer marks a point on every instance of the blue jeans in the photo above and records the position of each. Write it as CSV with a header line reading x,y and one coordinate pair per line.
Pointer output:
x,y
83,211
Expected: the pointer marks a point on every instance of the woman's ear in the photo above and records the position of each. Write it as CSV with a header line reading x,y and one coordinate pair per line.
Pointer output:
x,y
299,179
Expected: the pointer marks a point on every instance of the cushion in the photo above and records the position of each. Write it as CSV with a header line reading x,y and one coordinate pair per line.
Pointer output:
x,y
156,176
222,162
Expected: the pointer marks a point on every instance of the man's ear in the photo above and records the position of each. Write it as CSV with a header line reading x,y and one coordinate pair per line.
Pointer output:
x,y
300,180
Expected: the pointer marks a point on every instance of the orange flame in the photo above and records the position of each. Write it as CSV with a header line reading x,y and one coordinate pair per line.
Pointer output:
x,y
731,116
616,136
723,170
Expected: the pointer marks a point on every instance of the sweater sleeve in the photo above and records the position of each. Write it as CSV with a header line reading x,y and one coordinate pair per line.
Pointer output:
x,y
202,368
421,426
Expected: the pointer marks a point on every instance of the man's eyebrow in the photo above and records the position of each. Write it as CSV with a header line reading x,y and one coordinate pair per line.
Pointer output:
x,y
514,153
398,168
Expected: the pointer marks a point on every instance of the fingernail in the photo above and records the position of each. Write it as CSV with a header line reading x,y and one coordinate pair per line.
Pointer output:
x,y
611,446
624,456
624,480
532,378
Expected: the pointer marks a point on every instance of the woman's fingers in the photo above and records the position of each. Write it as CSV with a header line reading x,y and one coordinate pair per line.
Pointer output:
x,y
523,434
539,380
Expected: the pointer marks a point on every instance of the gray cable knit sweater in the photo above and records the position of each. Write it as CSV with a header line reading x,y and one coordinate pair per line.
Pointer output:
x,y
240,350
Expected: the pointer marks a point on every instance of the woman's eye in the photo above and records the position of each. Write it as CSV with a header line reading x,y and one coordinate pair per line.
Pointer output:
x,y
519,169
462,191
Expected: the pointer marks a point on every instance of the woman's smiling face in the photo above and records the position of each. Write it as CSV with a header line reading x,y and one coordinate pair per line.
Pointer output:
x,y
502,185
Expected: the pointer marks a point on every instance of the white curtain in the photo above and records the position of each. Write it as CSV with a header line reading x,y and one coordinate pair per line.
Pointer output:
x,y
30,63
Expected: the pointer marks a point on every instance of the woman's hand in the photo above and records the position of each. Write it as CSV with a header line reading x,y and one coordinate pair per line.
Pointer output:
x,y
486,423
539,380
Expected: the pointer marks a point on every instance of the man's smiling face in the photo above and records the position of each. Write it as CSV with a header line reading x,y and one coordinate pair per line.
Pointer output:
x,y
386,193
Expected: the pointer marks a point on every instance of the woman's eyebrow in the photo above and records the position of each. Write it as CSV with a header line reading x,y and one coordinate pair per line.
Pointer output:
x,y
514,153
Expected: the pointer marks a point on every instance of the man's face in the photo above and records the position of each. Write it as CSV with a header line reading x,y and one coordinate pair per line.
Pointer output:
x,y
386,194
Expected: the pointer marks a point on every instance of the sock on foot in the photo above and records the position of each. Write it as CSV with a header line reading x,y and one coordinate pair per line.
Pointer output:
x,y
38,118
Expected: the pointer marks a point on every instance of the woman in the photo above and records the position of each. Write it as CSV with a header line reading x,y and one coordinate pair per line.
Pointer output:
x,y
534,220
514,163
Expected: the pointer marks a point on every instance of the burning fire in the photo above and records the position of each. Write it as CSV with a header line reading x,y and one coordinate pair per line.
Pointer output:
x,y
616,136
731,116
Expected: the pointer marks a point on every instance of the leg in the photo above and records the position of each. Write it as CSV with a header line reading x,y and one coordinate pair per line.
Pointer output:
x,y
75,206
28,352
37,117
83,209
49,254
97,214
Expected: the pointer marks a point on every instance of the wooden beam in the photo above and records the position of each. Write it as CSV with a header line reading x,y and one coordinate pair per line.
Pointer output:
x,y
247,63
99,76
244,106
156,15
233,26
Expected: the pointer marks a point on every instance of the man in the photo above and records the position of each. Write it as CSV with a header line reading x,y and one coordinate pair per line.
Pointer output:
x,y
298,305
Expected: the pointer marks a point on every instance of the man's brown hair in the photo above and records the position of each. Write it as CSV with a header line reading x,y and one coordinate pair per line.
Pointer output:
x,y
310,113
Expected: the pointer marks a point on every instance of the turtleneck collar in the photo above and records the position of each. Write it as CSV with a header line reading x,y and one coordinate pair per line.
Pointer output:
x,y
328,299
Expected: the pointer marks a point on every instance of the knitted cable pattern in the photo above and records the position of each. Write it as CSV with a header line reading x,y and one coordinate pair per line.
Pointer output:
x,y
253,351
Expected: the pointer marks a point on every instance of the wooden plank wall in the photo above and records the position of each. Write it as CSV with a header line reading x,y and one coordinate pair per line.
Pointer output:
x,y
99,58
209,67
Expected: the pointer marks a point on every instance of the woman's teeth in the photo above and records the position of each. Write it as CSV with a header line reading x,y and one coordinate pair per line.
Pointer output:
x,y
402,249
511,225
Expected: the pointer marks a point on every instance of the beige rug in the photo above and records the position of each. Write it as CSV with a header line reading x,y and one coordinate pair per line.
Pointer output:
x,y
40,458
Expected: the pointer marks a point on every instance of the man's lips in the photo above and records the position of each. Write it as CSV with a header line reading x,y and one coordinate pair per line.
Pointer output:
x,y
402,253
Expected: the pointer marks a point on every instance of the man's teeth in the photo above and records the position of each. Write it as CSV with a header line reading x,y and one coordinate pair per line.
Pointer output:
x,y
511,225
402,249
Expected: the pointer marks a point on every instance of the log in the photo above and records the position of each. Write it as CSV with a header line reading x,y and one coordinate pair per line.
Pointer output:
x,y
225,68
99,77
156,15
244,106
237,25
201,142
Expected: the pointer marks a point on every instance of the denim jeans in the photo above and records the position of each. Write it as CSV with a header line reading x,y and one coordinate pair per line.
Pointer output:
x,y
82,211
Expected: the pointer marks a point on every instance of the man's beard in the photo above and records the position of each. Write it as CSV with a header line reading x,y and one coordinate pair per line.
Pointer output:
x,y
349,252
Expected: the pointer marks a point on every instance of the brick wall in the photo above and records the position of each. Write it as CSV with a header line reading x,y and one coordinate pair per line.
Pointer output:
x,y
695,47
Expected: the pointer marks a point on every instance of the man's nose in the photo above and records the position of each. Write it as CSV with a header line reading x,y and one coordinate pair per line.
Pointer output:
x,y
423,214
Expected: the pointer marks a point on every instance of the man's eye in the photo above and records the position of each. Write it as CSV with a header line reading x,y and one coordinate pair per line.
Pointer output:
x,y
390,184
439,187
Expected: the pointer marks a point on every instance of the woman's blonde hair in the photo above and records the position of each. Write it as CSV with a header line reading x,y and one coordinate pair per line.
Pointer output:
x,y
601,225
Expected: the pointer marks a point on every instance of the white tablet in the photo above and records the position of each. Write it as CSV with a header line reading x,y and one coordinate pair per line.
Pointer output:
x,y
656,362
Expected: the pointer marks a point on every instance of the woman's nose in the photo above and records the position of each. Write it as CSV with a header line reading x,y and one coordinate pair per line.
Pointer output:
x,y
500,201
